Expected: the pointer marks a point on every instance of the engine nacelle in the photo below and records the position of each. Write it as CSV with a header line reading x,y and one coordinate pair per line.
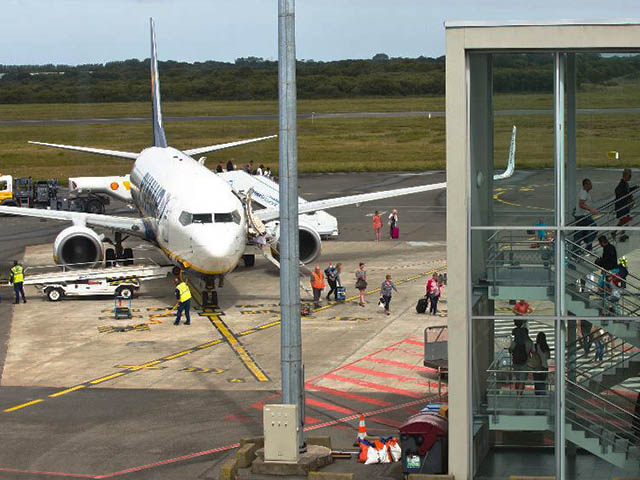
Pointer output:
x,y
78,245
309,240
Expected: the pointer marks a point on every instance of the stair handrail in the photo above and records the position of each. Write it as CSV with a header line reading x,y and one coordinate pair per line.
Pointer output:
x,y
589,252
620,414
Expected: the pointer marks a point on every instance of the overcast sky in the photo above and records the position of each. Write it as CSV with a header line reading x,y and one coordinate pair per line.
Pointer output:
x,y
92,31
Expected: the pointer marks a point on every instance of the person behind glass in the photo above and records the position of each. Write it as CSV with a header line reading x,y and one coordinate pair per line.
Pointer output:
x,y
585,335
543,352
377,226
434,288
361,282
609,259
584,215
386,290
230,166
624,200
317,285
393,221
219,168
521,349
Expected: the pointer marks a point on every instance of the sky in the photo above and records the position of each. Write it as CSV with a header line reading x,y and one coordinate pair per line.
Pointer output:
x,y
96,31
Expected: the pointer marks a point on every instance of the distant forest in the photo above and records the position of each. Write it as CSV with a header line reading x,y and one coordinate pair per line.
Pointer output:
x,y
254,78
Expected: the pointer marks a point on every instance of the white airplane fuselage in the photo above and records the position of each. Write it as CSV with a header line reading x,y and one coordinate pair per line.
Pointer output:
x,y
190,213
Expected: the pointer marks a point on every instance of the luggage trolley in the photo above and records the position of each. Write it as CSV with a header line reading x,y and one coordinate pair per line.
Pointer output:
x,y
436,352
122,307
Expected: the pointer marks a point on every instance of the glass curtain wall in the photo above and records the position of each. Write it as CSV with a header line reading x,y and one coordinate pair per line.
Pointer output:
x,y
554,311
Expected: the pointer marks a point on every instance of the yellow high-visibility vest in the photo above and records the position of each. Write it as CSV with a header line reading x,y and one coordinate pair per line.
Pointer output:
x,y
18,276
183,290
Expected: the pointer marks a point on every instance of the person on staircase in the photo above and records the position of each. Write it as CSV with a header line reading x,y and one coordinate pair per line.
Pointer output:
x,y
584,215
609,259
624,200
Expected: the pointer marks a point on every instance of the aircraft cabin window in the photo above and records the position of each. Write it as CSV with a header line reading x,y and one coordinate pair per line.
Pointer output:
x,y
185,218
202,218
223,217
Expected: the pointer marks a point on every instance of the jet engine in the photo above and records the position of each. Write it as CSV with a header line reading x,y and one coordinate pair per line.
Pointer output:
x,y
78,245
309,240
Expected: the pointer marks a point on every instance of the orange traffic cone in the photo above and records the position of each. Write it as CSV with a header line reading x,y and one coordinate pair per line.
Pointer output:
x,y
362,431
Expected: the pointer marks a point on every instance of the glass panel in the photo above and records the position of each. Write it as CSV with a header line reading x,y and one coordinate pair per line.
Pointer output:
x,y
518,93
223,217
513,399
202,218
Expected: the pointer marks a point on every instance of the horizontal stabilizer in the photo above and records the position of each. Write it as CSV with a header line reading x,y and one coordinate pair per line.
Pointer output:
x,y
222,146
99,151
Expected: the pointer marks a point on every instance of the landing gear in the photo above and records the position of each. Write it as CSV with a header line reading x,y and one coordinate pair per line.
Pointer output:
x,y
249,260
203,288
118,254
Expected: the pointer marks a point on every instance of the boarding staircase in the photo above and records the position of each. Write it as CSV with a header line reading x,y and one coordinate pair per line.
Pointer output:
x,y
598,418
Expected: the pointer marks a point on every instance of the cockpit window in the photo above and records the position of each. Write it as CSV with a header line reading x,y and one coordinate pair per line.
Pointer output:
x,y
202,218
223,217
185,218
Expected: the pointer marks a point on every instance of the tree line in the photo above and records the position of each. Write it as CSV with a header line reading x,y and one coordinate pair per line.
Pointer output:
x,y
254,78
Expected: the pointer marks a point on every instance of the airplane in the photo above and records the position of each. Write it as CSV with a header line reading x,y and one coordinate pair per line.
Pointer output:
x,y
192,214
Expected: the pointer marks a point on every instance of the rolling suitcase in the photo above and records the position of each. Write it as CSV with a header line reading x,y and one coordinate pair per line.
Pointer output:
x,y
421,307
341,294
395,233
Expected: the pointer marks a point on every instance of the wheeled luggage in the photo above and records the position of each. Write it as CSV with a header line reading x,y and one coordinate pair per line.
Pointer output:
x,y
341,294
395,233
421,307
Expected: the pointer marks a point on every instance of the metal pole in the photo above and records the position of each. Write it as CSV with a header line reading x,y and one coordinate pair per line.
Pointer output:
x,y
561,310
291,333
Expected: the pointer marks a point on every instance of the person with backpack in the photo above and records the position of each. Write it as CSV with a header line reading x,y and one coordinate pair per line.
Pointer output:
x,y
540,364
521,349
332,274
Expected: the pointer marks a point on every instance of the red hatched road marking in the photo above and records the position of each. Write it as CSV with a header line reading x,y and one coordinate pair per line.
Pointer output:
x,y
415,353
328,406
375,386
351,396
414,342
406,366
377,373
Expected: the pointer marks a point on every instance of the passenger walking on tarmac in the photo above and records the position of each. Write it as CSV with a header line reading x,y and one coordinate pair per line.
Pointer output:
x,y
386,291
393,222
584,215
543,353
333,278
361,282
624,200
16,276
183,294
317,285
219,168
377,226
230,166
434,288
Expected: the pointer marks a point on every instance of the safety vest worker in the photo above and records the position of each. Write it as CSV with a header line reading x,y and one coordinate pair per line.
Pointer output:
x,y
17,278
183,294
317,280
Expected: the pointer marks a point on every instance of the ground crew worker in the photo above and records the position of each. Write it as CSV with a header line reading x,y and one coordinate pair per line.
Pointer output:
x,y
183,294
317,284
17,278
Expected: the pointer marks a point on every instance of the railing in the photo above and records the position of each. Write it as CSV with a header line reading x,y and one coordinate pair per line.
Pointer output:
x,y
603,419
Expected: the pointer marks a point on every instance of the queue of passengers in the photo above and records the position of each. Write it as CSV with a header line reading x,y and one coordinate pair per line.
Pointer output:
x,y
261,170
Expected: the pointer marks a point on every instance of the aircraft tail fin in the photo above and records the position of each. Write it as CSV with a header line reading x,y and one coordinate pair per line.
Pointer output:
x,y
159,137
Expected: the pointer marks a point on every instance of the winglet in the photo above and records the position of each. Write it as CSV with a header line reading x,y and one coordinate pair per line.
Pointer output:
x,y
511,164
159,138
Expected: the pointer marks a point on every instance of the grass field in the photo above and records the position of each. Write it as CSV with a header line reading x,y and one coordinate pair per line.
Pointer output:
x,y
325,145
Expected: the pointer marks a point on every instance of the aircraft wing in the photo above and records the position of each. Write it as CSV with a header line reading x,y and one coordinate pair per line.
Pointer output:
x,y
132,226
273,213
99,151
221,146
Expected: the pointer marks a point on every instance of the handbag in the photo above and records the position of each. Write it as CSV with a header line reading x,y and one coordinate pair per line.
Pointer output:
x,y
361,284
534,362
381,302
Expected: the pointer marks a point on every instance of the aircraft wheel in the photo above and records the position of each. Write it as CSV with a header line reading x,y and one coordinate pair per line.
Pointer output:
x,y
127,256
110,257
125,292
249,260
95,206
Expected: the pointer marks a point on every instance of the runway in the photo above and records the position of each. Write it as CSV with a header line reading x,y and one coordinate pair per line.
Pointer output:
x,y
302,116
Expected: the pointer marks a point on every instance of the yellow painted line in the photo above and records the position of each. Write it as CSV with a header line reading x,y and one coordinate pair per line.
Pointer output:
x,y
239,349
64,392
108,377
176,355
210,344
18,407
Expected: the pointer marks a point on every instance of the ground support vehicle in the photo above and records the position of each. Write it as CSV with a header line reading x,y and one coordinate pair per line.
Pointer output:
x,y
58,281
